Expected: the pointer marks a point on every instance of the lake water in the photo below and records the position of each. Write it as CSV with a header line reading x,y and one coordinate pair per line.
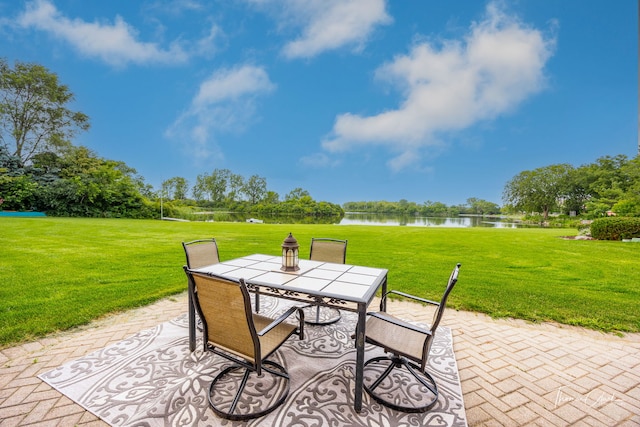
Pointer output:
x,y
413,221
352,218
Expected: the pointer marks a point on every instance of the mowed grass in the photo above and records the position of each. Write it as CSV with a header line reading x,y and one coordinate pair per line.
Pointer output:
x,y
57,273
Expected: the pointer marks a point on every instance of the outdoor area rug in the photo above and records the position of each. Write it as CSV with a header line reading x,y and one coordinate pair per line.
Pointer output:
x,y
151,379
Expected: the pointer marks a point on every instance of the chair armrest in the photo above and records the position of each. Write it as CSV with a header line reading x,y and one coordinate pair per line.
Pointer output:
x,y
413,297
281,319
398,322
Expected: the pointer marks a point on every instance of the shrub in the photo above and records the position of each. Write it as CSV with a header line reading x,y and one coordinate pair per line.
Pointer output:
x,y
615,228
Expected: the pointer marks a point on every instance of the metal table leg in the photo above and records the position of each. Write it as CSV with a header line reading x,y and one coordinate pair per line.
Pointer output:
x,y
360,333
360,340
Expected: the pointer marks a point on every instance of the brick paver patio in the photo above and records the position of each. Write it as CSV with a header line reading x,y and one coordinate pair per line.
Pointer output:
x,y
513,373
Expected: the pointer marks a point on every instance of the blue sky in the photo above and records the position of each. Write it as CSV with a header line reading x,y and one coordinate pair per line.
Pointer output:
x,y
350,100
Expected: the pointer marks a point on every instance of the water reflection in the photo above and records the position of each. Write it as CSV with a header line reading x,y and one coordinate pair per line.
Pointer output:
x,y
410,221
359,219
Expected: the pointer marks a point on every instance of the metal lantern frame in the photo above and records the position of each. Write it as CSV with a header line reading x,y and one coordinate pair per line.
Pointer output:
x,y
290,258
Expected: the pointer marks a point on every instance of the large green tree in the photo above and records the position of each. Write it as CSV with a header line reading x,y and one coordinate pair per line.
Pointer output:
x,y
539,190
175,188
255,188
221,187
606,179
235,187
34,113
629,202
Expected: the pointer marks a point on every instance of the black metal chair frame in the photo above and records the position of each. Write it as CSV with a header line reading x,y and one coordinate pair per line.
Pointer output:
x,y
336,315
398,359
259,363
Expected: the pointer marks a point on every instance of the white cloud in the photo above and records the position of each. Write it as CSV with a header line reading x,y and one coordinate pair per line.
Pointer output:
x,y
211,42
225,102
175,7
451,87
115,44
318,160
232,84
327,24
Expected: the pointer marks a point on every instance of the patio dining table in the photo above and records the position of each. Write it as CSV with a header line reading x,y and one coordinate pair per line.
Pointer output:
x,y
343,286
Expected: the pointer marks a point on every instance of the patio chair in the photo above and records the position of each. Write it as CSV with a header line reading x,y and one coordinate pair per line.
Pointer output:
x,y
204,252
327,250
400,380
251,386
201,253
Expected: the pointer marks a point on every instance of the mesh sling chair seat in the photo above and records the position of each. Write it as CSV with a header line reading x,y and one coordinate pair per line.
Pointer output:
x,y
251,386
327,250
400,380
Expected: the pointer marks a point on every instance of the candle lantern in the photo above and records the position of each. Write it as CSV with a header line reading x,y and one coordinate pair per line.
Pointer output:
x,y
290,254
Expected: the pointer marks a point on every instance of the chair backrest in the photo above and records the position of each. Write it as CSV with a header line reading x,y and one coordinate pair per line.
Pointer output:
x,y
328,250
224,306
437,316
201,253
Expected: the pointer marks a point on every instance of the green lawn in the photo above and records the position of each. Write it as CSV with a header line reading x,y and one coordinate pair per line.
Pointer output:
x,y
57,273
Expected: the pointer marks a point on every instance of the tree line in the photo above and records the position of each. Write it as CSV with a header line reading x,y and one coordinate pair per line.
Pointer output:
x,y
224,190
609,186
473,206
76,182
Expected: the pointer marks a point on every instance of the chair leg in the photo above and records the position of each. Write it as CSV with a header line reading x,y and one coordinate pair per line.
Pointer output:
x,y
240,390
408,389
384,375
270,393
418,374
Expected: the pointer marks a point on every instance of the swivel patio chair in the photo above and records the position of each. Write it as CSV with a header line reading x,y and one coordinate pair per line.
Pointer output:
x,y
200,253
251,386
204,252
327,250
399,380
